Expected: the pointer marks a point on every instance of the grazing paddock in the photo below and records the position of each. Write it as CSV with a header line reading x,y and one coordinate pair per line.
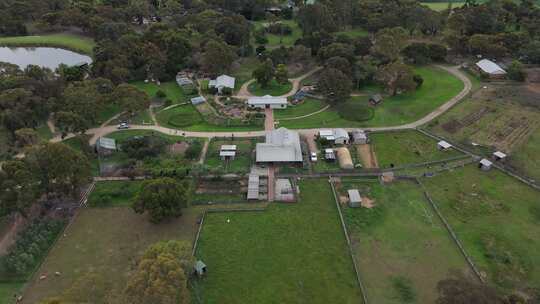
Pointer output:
x,y
290,253
241,162
407,147
114,193
99,249
399,241
307,107
497,219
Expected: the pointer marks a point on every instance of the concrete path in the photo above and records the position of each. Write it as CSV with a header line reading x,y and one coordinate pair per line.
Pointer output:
x,y
268,119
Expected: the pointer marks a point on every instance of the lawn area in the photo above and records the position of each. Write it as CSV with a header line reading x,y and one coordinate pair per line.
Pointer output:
x,y
400,239
114,193
278,40
107,113
497,218
290,253
309,106
439,86
242,70
242,161
173,91
7,290
407,147
99,250
179,117
72,42
441,6
273,88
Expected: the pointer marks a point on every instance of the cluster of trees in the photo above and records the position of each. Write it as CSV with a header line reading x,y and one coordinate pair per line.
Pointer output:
x,y
52,169
30,247
266,72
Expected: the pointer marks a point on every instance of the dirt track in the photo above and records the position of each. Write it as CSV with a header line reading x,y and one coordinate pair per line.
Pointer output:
x,y
365,152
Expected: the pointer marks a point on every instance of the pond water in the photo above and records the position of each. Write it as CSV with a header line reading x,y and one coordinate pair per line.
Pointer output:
x,y
41,56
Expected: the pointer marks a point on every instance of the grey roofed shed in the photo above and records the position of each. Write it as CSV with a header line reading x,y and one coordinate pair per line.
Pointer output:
x,y
359,137
106,143
355,199
253,187
197,100
282,145
199,268
490,67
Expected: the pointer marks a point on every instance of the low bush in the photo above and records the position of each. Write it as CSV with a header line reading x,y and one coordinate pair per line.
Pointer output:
x,y
404,289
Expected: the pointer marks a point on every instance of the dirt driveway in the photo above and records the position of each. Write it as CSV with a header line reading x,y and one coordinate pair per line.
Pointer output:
x,y
366,154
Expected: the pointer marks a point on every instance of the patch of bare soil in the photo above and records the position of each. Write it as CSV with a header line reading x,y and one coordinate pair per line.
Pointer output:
x,y
179,148
367,202
368,157
387,177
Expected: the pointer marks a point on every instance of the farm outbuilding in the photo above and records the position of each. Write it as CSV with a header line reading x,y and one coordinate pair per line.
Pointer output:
x,y
337,136
499,155
106,146
490,68
443,145
375,99
221,82
227,152
199,268
284,190
355,200
281,146
183,80
329,155
253,187
359,137
344,158
197,100
267,101
485,164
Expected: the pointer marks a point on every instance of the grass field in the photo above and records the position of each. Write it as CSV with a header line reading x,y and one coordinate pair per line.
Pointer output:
x,y
242,70
179,117
526,158
114,193
171,89
273,88
287,254
497,219
441,6
439,87
242,161
285,40
307,107
72,42
7,292
407,147
99,250
400,239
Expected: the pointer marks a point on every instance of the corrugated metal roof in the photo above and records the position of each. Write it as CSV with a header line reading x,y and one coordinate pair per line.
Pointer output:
x,y
224,81
198,100
267,99
228,148
107,143
443,144
227,153
340,133
499,154
354,196
490,67
486,162
281,145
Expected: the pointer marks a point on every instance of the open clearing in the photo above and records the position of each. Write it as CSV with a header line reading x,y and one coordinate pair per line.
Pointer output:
x,y
407,147
439,86
99,249
497,219
286,254
505,118
278,40
242,161
367,156
73,42
400,238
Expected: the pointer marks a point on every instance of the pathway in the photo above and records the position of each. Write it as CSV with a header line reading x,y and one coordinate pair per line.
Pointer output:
x,y
105,130
204,151
269,126
307,115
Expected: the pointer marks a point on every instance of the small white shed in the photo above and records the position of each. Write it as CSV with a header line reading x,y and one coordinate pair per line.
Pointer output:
x,y
443,145
355,200
227,152
485,164
499,155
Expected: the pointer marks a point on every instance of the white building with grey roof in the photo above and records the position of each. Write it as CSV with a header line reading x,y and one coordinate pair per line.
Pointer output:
x,y
221,82
267,101
281,146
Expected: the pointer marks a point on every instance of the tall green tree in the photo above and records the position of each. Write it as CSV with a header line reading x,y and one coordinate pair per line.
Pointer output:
x,y
396,77
217,57
162,198
389,43
131,99
282,74
60,169
264,73
19,187
161,275
334,85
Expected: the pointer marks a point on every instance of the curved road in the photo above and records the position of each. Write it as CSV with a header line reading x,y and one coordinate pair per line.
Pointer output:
x,y
103,131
